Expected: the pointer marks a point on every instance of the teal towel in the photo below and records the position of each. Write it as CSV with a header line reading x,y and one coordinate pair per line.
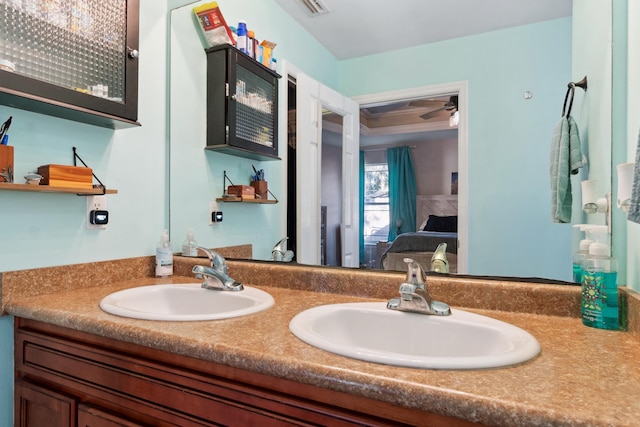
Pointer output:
x,y
566,159
634,205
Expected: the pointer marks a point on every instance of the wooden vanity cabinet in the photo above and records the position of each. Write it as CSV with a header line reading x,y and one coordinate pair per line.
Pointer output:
x,y
70,378
40,406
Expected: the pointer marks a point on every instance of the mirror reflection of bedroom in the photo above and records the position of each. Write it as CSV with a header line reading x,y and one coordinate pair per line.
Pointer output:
x,y
410,154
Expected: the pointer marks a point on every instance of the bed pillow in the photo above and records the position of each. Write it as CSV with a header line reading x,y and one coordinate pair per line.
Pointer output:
x,y
442,224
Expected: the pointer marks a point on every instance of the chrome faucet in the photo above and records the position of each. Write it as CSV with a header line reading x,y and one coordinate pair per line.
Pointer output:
x,y
439,262
280,252
216,276
414,296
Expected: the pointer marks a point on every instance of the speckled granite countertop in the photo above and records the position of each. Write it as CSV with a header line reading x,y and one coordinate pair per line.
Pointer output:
x,y
583,377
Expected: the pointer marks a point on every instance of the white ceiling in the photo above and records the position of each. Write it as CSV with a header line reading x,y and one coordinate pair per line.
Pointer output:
x,y
355,28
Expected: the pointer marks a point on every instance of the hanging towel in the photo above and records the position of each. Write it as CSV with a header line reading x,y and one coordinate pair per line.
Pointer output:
x,y
634,206
566,159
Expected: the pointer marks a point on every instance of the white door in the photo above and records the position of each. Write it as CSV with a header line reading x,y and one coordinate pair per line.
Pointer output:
x,y
312,97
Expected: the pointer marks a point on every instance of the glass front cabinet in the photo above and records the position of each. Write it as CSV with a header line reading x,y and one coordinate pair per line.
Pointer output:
x,y
242,105
75,59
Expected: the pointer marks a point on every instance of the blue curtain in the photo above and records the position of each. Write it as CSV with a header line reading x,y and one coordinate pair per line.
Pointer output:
x,y
362,254
402,192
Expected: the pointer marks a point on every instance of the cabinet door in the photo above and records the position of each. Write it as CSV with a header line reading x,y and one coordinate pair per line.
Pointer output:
x,y
242,105
73,59
36,406
90,416
253,106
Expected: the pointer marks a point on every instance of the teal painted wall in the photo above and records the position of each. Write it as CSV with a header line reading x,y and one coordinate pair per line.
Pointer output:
x,y
510,229
50,229
619,125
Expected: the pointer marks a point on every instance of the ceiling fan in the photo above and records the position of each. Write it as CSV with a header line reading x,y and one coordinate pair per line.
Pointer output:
x,y
449,107
403,106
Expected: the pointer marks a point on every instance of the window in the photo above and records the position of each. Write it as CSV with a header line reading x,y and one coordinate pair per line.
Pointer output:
x,y
376,208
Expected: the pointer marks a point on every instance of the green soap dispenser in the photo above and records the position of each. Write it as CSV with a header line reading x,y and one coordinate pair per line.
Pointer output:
x,y
600,284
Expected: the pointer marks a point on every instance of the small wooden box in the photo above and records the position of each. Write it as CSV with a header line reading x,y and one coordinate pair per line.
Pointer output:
x,y
246,192
6,160
66,176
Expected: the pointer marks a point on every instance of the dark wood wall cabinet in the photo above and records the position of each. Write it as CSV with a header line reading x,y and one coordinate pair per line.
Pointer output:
x,y
77,60
242,105
66,378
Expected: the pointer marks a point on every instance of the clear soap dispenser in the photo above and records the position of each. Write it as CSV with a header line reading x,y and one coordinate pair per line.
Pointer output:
x,y
190,246
600,283
164,256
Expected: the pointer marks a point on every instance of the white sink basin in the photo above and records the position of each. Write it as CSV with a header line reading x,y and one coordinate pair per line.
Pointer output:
x,y
373,333
185,302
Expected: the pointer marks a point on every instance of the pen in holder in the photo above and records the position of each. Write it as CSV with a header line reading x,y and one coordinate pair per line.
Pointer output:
x,y
261,188
6,163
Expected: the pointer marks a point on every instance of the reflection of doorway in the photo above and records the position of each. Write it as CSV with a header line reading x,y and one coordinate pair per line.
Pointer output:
x,y
426,126
330,184
402,99
311,99
331,188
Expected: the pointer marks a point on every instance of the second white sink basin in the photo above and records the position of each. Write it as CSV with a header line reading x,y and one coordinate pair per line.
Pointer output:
x,y
373,333
185,302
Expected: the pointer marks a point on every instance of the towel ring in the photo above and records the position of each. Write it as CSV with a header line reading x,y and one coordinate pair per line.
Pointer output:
x,y
570,90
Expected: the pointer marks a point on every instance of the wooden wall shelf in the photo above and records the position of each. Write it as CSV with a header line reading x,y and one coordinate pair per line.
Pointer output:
x,y
239,200
9,186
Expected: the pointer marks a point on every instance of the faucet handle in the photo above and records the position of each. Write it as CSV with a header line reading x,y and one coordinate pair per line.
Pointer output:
x,y
439,262
217,261
415,273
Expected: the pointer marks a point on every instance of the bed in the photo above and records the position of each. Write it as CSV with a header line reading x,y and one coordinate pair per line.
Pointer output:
x,y
436,219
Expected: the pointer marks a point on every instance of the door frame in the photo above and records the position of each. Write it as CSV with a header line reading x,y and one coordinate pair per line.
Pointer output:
x,y
432,91
308,201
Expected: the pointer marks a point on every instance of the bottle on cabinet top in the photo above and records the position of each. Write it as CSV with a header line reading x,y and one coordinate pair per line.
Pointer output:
x,y
243,38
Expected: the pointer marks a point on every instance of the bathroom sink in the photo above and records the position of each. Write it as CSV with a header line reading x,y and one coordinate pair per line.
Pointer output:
x,y
373,333
185,302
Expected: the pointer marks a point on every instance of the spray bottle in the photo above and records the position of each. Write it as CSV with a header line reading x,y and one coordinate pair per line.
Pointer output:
x,y
600,283
164,256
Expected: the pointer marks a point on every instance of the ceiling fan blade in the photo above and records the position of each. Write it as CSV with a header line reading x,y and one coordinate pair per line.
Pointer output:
x,y
434,113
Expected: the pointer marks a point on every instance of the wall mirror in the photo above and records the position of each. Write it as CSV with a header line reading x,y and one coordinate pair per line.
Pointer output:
x,y
189,166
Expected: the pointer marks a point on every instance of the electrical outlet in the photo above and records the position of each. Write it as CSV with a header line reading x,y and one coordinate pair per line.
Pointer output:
x,y
213,207
95,203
